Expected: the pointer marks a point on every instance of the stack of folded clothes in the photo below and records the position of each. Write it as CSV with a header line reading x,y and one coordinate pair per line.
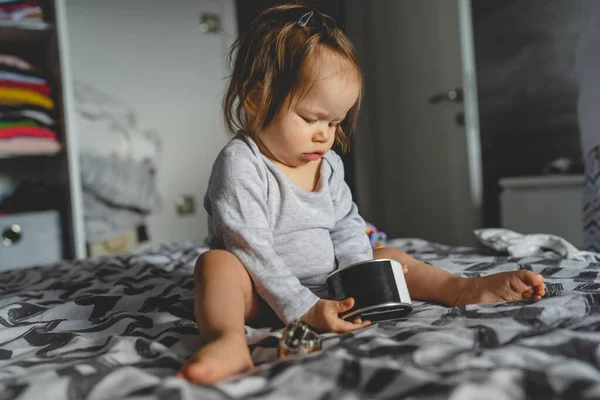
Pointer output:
x,y
27,124
21,11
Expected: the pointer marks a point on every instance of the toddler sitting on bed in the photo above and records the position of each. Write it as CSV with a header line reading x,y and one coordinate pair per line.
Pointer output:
x,y
282,215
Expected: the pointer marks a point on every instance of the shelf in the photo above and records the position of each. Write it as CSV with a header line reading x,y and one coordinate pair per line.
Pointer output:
x,y
25,31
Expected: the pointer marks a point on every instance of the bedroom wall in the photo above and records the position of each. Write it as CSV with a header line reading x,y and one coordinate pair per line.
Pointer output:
x,y
153,56
527,92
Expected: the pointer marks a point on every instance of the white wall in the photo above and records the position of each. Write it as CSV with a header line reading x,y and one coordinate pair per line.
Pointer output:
x,y
153,55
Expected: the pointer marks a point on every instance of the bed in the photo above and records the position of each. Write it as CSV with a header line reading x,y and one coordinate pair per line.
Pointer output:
x,y
118,327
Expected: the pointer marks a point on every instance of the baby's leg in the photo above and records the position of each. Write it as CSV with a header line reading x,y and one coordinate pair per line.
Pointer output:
x,y
428,283
223,301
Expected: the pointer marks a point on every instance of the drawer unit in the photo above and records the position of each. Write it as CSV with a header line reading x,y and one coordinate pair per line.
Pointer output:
x,y
28,239
544,204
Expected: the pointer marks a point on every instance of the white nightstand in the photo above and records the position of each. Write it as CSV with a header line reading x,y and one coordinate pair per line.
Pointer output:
x,y
544,204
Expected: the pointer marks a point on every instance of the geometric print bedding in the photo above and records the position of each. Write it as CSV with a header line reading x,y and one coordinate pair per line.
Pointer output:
x,y
118,327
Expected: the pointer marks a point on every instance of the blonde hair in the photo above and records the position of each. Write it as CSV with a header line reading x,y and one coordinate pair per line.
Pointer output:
x,y
267,60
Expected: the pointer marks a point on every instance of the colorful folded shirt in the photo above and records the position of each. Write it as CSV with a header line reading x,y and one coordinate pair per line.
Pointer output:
x,y
33,72
38,114
36,87
29,146
12,96
26,131
21,11
21,77
17,4
11,124
8,60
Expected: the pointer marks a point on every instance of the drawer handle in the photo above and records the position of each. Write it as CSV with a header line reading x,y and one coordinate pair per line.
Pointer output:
x,y
11,235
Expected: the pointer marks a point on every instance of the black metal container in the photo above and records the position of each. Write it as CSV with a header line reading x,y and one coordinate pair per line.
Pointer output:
x,y
378,288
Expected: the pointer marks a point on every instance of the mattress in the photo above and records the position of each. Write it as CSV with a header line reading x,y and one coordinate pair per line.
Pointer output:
x,y
119,327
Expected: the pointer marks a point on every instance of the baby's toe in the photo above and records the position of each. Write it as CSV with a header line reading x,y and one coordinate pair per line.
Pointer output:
x,y
536,282
535,279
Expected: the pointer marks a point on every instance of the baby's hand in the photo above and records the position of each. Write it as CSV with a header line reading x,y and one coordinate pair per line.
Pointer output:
x,y
323,317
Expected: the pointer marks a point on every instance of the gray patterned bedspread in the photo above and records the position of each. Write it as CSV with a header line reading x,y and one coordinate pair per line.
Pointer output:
x,y
119,327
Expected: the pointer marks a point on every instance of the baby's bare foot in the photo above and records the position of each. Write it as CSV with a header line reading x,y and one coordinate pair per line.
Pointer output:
x,y
502,287
226,356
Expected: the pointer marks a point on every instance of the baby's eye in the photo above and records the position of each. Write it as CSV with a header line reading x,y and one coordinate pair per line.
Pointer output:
x,y
310,121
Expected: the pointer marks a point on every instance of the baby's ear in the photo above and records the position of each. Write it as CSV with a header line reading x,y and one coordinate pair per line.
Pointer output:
x,y
252,100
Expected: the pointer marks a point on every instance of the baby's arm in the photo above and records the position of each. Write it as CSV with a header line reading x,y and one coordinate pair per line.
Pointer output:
x,y
352,244
425,282
241,217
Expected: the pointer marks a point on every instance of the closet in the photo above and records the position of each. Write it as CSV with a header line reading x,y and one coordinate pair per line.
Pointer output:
x,y
41,219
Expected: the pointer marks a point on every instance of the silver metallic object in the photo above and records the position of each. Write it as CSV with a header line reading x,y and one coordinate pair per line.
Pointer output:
x,y
298,338
304,19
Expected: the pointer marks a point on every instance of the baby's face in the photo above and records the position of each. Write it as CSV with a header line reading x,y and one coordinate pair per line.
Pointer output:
x,y
305,131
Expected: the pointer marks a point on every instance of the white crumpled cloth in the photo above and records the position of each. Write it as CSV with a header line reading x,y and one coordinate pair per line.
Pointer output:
x,y
544,245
